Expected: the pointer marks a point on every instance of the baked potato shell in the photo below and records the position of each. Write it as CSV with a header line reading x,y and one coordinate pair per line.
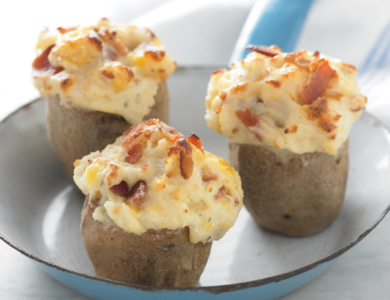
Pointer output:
x,y
156,258
76,132
292,194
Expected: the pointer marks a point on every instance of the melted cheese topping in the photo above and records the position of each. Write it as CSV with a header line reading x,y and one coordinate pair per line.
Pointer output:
x,y
154,178
108,67
297,101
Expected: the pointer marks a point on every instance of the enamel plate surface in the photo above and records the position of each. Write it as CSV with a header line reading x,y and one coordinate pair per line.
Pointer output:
x,y
40,210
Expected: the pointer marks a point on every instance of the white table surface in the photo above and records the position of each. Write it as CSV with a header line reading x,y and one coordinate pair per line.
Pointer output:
x,y
361,273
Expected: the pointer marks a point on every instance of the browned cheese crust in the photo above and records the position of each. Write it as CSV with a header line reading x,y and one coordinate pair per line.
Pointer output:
x,y
156,258
76,132
292,194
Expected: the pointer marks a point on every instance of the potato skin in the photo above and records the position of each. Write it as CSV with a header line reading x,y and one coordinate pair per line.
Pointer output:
x,y
76,132
156,258
292,194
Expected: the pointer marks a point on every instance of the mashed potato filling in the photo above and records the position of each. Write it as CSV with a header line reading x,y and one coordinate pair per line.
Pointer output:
x,y
152,177
107,67
300,101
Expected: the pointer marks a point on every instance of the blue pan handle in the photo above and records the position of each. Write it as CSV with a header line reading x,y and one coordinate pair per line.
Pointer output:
x,y
273,22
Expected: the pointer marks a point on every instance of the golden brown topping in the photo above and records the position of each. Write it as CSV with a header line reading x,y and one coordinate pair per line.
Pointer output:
x,y
355,109
318,109
207,175
337,117
152,35
293,55
221,192
275,83
42,67
317,82
196,141
235,130
215,72
157,55
222,95
66,83
65,30
144,167
238,88
170,133
95,41
291,129
112,174
317,54
262,50
134,154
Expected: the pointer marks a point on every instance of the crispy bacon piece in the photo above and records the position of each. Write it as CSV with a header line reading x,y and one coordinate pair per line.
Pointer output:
x,y
250,120
120,189
134,154
262,50
42,66
196,141
133,195
186,162
207,175
317,82
110,54
137,192
247,117
221,192
107,74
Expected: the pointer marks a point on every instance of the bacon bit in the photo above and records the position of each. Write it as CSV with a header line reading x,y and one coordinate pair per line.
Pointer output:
x,y
107,74
65,30
186,162
355,109
259,100
112,174
134,154
66,83
215,72
186,211
110,54
262,50
222,95
143,168
317,54
337,117
98,43
129,72
333,137
157,55
120,47
207,175
302,62
247,117
291,129
236,201
196,141
219,109
238,88
317,82
275,83
221,192
235,130
319,109
133,195
42,67
250,120
120,189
